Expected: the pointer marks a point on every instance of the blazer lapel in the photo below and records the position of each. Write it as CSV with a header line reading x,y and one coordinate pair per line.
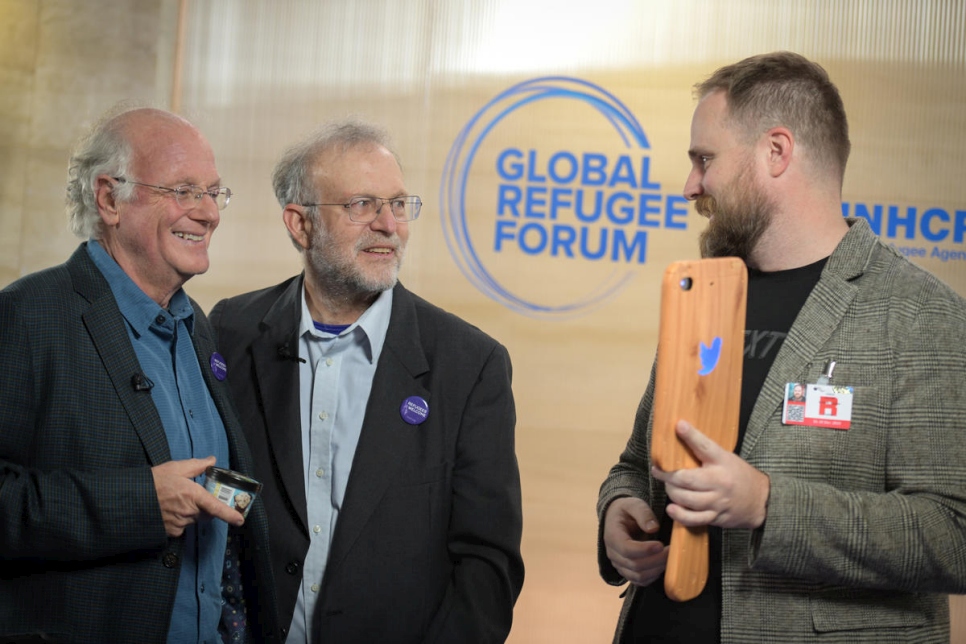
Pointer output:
x,y
818,319
204,345
386,438
277,379
105,325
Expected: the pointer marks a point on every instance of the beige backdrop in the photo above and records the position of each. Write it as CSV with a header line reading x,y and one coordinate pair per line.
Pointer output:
x,y
258,75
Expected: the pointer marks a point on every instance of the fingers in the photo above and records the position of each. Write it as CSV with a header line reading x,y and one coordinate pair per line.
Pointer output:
x,y
725,490
628,528
694,494
691,518
207,503
182,501
644,562
188,468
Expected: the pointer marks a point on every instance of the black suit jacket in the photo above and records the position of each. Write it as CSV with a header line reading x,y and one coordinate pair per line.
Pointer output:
x,y
427,547
85,556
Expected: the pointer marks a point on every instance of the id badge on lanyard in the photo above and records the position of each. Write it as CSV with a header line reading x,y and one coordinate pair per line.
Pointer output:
x,y
819,404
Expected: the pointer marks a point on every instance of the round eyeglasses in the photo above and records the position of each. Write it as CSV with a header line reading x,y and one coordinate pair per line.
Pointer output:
x,y
188,196
364,210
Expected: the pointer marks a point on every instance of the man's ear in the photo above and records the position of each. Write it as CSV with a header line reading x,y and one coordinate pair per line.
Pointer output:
x,y
298,224
104,198
781,144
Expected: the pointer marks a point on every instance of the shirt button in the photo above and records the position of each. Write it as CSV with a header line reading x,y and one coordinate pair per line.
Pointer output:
x,y
159,319
315,588
317,529
202,588
323,415
328,362
320,472
169,560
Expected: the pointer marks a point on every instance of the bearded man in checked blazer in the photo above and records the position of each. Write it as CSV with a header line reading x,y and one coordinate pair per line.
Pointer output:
x,y
113,404
854,534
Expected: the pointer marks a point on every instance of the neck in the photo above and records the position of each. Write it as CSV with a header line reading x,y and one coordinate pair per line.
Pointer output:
x,y
803,230
161,295
781,250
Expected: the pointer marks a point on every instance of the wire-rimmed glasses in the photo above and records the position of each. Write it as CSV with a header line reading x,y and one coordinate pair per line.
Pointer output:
x,y
188,196
364,210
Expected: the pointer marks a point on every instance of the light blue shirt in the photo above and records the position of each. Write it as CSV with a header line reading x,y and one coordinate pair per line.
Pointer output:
x,y
194,429
334,385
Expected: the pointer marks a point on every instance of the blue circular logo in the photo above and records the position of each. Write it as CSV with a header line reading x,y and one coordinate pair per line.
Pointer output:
x,y
459,164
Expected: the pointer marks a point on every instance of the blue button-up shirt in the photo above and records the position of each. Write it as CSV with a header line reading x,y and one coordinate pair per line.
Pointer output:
x,y
334,382
194,429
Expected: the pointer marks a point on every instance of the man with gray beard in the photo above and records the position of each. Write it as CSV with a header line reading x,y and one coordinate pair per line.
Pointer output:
x,y
382,426
847,524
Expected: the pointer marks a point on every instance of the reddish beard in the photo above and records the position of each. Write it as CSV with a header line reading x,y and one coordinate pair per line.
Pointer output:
x,y
736,224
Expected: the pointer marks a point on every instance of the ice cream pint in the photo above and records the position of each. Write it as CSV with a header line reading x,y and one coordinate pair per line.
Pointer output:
x,y
234,489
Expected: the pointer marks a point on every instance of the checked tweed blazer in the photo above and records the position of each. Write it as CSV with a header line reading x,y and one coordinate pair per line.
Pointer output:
x,y
85,556
866,528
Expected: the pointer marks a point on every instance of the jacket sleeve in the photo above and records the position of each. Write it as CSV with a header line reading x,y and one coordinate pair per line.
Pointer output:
x,y
54,506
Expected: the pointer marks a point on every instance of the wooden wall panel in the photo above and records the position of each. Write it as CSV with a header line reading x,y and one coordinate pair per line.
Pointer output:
x,y
256,76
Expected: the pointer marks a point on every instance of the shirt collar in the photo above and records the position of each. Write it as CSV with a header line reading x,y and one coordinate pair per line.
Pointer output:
x,y
370,328
140,311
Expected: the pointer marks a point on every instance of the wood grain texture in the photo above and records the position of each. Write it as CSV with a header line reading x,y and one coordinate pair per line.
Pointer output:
x,y
702,306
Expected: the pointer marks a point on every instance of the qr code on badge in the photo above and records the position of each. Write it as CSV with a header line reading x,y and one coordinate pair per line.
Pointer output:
x,y
795,414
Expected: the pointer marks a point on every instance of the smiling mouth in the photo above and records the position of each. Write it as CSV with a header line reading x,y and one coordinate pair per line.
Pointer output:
x,y
189,236
380,251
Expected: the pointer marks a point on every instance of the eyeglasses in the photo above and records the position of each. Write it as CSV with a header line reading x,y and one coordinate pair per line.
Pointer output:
x,y
364,210
188,196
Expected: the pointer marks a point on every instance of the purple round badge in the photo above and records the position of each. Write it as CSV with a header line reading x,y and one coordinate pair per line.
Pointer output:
x,y
218,366
414,410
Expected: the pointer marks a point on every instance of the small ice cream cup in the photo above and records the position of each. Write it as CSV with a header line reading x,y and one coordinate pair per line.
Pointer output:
x,y
231,488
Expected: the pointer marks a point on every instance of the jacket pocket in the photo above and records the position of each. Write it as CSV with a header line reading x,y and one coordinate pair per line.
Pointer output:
x,y
853,609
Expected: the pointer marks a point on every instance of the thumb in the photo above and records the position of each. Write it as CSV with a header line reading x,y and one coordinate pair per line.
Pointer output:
x,y
703,447
643,515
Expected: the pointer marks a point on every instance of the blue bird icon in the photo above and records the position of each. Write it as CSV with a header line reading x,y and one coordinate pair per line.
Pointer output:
x,y
709,356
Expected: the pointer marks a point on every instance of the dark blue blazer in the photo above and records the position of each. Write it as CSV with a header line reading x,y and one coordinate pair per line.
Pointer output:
x,y
427,547
84,556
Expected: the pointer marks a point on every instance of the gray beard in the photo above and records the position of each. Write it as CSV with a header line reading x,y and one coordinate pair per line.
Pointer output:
x,y
341,280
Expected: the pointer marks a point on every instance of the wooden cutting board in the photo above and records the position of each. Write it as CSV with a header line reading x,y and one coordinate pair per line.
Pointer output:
x,y
699,359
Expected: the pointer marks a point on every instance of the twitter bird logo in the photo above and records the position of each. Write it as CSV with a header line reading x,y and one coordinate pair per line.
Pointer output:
x,y
709,356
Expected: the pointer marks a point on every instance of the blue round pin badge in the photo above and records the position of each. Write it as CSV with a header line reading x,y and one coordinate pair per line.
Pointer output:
x,y
414,410
218,366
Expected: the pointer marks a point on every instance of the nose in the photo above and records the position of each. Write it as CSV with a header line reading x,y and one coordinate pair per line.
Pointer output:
x,y
692,187
207,210
384,220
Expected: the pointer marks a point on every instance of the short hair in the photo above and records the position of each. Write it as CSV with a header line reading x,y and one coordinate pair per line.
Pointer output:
x,y
786,89
104,150
291,179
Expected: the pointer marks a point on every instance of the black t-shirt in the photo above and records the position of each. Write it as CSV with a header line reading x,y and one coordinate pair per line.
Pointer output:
x,y
774,301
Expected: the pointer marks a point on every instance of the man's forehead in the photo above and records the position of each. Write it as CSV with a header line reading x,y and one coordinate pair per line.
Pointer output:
x,y
173,152
711,122
349,164
712,109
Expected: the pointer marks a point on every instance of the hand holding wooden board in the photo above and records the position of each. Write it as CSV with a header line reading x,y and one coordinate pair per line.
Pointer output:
x,y
699,360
